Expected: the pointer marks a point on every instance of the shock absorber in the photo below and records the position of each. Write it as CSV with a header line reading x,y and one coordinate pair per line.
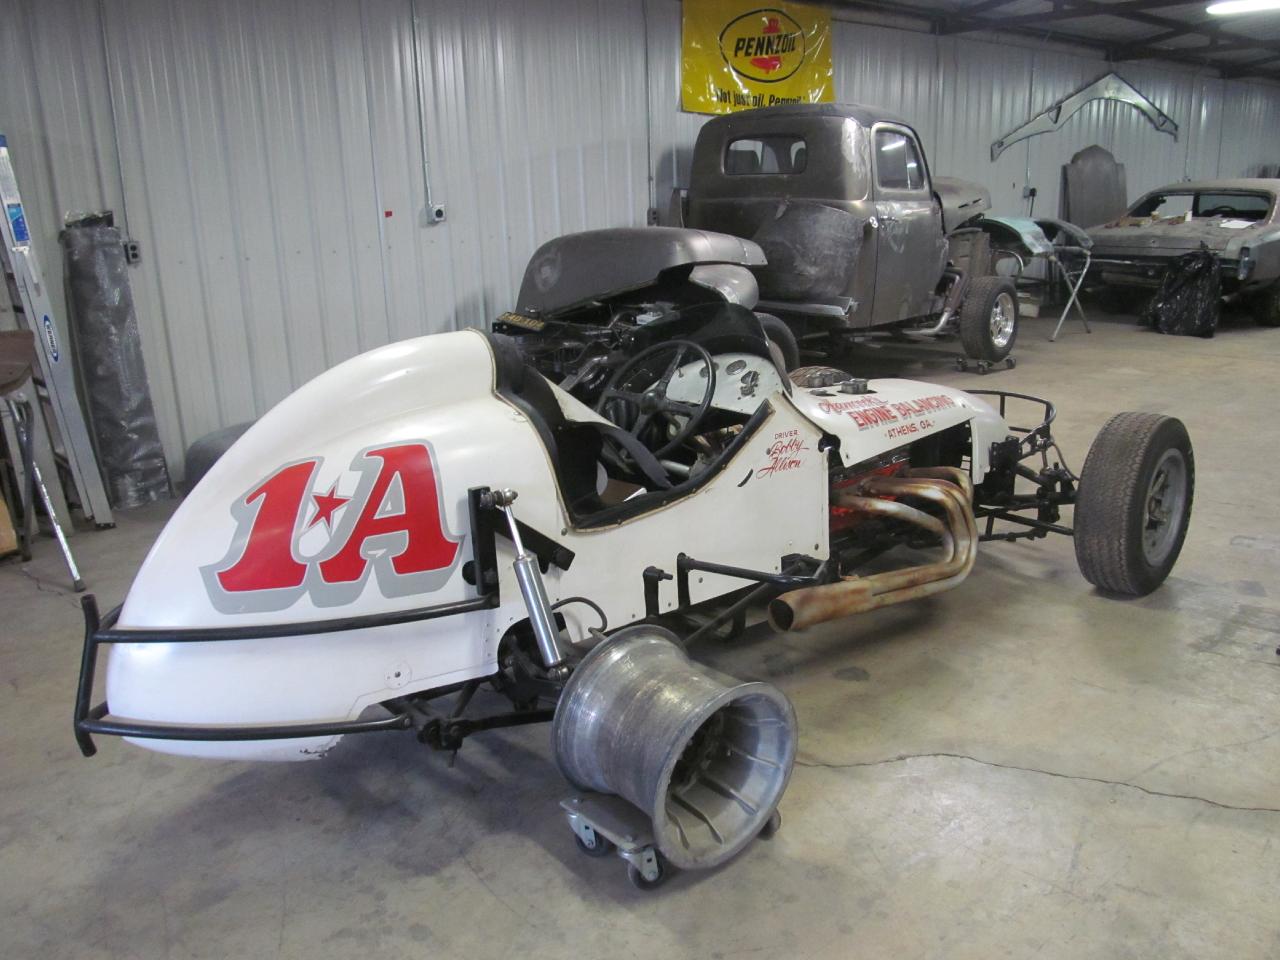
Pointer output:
x,y
532,589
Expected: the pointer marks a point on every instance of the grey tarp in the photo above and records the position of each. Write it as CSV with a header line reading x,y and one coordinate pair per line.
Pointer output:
x,y
109,351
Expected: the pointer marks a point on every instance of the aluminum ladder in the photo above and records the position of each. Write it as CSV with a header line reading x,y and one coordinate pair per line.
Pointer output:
x,y
55,388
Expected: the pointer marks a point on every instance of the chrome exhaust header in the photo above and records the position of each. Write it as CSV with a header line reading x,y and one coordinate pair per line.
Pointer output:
x,y
947,489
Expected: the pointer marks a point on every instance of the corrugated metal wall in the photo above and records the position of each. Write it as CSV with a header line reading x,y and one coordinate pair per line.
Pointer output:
x,y
269,154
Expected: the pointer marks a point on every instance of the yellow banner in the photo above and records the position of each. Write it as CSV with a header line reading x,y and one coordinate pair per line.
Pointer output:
x,y
739,56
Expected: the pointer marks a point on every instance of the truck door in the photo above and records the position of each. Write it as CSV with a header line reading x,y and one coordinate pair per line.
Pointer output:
x,y
908,227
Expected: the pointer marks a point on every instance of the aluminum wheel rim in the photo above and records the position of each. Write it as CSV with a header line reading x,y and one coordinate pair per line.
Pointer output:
x,y
1002,321
1163,507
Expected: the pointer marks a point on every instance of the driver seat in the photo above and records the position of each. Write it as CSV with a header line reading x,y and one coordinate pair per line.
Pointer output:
x,y
574,446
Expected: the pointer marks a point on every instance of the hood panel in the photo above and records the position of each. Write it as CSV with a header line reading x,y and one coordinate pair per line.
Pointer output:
x,y
1172,239
578,267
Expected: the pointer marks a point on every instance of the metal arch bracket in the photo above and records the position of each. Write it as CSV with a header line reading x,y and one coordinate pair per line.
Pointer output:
x,y
1109,87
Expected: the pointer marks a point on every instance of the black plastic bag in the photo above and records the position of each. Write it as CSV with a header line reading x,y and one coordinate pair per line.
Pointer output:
x,y
1188,300
109,349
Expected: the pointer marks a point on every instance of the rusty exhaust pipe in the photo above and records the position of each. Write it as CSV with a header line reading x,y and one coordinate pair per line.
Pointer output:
x,y
944,487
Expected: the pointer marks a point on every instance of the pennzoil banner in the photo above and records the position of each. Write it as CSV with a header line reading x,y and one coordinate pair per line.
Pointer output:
x,y
739,55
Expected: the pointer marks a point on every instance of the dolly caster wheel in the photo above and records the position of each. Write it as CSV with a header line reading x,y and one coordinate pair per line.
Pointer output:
x,y
771,827
1010,362
601,848
641,882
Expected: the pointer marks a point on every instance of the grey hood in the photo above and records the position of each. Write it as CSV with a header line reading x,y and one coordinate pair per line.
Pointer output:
x,y
597,264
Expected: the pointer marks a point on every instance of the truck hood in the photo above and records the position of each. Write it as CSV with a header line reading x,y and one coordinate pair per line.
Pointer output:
x,y
962,200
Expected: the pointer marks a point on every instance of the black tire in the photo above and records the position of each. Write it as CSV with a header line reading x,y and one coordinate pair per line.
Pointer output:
x,y
781,336
603,846
981,334
771,826
1116,533
638,879
1266,306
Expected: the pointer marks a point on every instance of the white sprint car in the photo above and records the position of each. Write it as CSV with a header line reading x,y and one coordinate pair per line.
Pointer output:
x,y
436,516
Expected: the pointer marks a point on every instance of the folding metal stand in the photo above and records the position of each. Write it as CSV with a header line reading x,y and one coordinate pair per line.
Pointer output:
x,y
1071,271
30,483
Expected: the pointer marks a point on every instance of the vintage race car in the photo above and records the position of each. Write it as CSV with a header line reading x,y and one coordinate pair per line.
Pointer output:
x,y
436,537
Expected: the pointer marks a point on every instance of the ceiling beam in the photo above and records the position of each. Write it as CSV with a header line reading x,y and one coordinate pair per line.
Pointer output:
x,y
1062,10
938,20
1250,69
1135,11
985,5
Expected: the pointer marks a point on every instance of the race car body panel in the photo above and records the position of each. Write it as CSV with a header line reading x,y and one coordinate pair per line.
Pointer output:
x,y
892,413
350,499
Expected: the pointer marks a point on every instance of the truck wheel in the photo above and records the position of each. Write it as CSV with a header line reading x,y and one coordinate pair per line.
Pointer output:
x,y
989,318
781,336
1266,306
1134,502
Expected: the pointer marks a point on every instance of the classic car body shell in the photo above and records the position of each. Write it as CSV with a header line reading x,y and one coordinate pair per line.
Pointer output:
x,y
1135,254
883,264
443,394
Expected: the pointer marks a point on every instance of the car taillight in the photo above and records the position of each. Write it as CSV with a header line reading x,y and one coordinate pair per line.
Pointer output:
x,y
1245,267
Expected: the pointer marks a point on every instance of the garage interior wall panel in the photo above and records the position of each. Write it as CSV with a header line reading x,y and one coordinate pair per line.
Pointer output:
x,y
274,156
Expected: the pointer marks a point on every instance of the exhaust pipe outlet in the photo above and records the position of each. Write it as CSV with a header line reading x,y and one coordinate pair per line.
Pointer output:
x,y
704,756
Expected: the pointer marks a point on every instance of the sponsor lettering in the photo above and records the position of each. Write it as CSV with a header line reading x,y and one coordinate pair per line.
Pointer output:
x,y
869,412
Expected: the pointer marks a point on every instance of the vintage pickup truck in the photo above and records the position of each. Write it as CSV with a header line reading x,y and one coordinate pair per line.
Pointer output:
x,y
857,232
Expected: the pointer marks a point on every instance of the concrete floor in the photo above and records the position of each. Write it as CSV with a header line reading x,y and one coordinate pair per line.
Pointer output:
x,y
1020,767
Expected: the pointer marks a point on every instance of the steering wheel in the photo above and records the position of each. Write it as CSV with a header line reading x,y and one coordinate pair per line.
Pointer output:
x,y
636,412
1222,208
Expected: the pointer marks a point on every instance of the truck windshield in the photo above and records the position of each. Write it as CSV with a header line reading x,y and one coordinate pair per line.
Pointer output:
x,y
773,154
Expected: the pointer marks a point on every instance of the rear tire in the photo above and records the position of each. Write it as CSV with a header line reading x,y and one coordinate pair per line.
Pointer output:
x,y
1134,504
1266,306
989,318
780,335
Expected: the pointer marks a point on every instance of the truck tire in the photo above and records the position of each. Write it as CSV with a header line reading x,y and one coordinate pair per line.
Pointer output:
x,y
1134,502
1266,306
781,336
989,318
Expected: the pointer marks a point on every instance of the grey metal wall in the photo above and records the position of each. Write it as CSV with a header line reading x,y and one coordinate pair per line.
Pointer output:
x,y
273,156
270,158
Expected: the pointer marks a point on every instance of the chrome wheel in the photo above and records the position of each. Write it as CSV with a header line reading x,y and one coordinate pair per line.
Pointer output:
x,y
1003,320
1165,503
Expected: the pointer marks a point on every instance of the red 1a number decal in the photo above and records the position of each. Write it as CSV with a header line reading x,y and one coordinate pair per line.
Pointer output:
x,y
391,523
427,547
268,562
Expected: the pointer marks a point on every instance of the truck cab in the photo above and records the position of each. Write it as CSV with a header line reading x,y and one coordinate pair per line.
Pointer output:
x,y
856,230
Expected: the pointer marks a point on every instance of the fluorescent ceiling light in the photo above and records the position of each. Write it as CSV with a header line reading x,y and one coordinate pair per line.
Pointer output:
x,y
1227,7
